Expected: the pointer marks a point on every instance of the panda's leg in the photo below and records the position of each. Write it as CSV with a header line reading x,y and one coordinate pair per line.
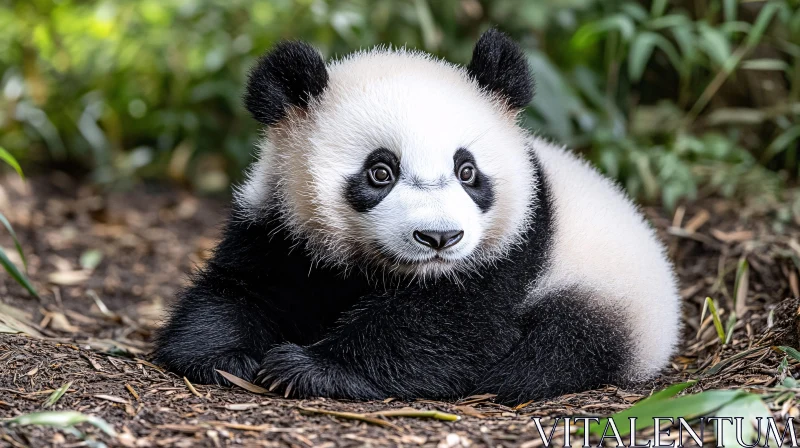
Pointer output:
x,y
215,324
569,343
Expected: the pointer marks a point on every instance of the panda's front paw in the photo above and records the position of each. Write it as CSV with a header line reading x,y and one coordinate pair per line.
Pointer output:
x,y
299,372
287,368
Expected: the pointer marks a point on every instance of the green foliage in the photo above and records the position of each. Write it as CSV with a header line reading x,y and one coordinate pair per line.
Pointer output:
x,y
10,267
64,420
665,404
652,91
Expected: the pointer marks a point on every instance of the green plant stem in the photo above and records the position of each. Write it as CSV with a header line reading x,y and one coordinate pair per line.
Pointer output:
x,y
715,84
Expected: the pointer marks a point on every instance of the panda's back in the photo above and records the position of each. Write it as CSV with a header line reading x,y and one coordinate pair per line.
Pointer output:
x,y
603,245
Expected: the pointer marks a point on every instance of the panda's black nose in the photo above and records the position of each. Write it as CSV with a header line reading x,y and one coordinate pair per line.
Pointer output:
x,y
438,240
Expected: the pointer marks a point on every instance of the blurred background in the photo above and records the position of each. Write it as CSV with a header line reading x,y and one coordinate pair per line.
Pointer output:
x,y
677,99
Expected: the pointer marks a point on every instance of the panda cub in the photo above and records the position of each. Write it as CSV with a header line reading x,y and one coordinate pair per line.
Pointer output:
x,y
401,235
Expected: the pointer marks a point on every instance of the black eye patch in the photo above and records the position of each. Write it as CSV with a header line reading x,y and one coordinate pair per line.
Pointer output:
x,y
480,189
360,192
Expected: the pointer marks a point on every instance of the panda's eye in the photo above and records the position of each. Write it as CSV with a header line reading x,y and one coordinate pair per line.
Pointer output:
x,y
380,175
466,174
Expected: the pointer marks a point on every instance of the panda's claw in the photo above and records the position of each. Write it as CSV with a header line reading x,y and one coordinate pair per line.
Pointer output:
x,y
274,384
288,390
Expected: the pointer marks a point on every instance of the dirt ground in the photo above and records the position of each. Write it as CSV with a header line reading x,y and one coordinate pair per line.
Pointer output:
x,y
105,265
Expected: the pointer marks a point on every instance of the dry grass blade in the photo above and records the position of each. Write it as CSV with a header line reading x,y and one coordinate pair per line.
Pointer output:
x,y
132,391
113,398
352,416
56,395
473,399
241,406
410,412
718,366
715,316
150,364
191,387
740,287
697,221
242,383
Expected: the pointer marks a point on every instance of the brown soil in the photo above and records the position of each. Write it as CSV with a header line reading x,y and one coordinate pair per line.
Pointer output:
x,y
92,327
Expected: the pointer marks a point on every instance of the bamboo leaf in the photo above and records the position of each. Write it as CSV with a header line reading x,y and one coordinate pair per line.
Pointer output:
x,y
621,23
62,419
352,416
658,7
765,64
56,395
642,50
18,276
9,159
667,393
686,406
729,328
729,9
781,142
715,317
749,408
8,227
761,23
715,44
790,351
415,413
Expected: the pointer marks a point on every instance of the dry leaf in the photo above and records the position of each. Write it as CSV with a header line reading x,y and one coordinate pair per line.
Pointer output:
x,y
470,411
69,278
14,320
241,406
58,321
242,383
94,363
113,398
732,237
697,221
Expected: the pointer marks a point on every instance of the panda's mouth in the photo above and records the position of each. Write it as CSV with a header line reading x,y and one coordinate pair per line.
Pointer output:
x,y
392,259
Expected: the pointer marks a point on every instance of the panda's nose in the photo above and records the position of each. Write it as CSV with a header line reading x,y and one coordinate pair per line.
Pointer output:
x,y
438,240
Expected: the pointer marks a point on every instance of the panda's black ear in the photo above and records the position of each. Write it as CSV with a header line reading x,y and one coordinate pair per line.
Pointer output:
x,y
289,75
500,66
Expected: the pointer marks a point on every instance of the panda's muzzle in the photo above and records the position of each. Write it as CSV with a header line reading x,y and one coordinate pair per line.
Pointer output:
x,y
438,240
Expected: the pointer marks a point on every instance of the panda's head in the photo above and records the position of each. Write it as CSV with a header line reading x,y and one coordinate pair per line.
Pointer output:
x,y
393,161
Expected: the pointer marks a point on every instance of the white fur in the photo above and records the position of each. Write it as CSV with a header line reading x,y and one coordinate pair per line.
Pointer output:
x,y
602,243
423,110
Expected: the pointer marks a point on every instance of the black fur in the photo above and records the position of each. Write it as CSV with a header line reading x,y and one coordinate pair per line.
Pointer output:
x,y
481,191
314,333
500,66
568,344
290,75
256,291
359,192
